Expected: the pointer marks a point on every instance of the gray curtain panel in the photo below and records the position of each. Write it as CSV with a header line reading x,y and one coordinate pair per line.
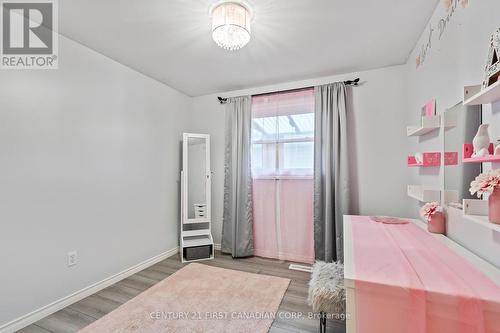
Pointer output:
x,y
331,189
237,226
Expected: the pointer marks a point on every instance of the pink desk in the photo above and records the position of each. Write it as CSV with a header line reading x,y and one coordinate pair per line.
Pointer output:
x,y
402,279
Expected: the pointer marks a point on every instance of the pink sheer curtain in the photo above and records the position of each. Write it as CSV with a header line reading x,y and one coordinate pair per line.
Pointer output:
x,y
282,166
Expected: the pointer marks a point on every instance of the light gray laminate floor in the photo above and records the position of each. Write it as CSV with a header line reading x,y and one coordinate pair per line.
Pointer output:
x,y
82,313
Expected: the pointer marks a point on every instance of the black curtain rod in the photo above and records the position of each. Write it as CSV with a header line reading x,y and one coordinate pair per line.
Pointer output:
x,y
353,83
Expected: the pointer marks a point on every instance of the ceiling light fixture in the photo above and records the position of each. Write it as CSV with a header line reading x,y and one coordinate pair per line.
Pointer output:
x,y
231,24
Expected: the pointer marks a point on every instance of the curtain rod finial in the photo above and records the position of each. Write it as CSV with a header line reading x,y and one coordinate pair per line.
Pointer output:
x,y
222,100
354,82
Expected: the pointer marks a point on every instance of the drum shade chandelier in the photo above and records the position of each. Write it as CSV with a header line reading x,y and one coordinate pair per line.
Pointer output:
x,y
231,24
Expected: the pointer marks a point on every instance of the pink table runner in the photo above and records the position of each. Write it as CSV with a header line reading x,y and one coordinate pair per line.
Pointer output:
x,y
407,281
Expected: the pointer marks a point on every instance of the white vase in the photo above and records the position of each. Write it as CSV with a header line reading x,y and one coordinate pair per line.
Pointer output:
x,y
481,140
497,150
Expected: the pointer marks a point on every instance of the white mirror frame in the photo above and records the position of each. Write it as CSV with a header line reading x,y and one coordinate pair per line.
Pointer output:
x,y
185,180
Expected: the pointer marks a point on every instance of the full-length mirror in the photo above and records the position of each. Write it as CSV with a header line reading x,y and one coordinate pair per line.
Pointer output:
x,y
196,177
461,123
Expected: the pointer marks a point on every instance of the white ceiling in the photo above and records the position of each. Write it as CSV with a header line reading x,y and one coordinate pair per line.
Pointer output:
x,y
170,40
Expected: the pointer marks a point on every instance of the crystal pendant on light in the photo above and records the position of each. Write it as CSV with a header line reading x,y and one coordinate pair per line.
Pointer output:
x,y
231,25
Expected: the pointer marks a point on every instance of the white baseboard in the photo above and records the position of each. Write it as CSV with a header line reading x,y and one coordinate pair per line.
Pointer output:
x,y
49,309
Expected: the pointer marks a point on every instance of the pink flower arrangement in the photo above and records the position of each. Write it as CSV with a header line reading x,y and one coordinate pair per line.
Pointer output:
x,y
429,209
486,182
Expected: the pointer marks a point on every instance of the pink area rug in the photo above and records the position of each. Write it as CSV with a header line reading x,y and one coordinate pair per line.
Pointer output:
x,y
200,298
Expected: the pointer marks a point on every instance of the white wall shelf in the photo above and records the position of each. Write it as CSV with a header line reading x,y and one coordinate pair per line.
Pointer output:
x,y
428,125
483,221
474,95
423,194
475,207
450,196
476,210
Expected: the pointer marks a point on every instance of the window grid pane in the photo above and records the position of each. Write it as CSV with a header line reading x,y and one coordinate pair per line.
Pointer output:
x,y
283,145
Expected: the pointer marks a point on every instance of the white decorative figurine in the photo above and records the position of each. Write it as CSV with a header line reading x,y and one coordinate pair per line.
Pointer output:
x,y
419,158
481,141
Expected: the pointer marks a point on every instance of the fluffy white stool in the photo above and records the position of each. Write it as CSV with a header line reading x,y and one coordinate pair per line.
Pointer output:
x,y
326,290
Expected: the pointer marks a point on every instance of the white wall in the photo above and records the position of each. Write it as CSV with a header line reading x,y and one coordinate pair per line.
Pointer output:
x,y
455,60
376,134
89,161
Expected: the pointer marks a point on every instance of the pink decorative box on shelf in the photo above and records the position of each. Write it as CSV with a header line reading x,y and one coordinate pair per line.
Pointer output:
x,y
469,150
451,158
428,160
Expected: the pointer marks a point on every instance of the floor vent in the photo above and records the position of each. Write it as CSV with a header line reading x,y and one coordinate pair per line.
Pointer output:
x,y
301,268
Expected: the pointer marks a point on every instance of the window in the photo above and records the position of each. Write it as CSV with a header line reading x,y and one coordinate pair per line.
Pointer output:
x,y
282,168
283,134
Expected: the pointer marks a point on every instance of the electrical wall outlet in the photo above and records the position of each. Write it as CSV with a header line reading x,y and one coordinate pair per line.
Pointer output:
x,y
72,258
